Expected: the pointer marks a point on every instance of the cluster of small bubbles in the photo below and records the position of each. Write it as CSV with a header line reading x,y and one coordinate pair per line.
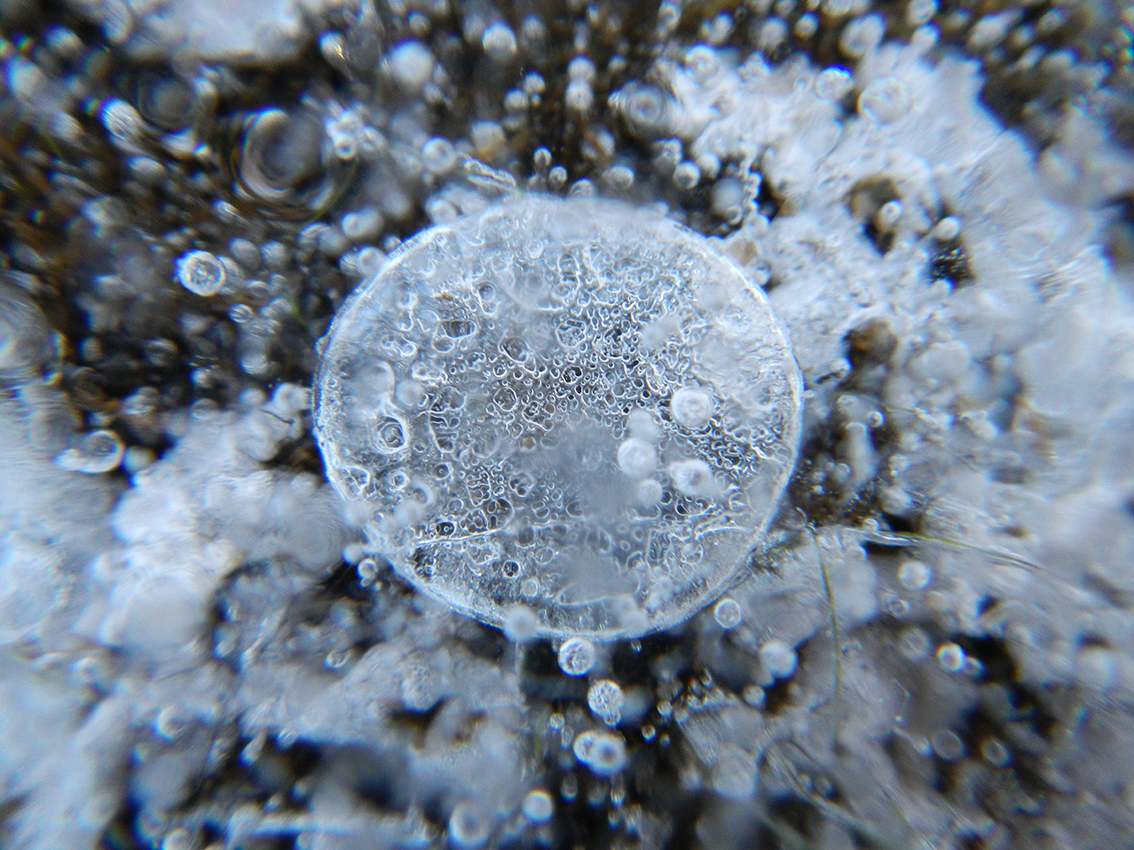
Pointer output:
x,y
727,613
588,491
779,659
97,452
538,807
576,656
603,752
605,698
200,272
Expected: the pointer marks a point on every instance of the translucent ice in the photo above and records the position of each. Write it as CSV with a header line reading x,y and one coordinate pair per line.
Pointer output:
x,y
576,406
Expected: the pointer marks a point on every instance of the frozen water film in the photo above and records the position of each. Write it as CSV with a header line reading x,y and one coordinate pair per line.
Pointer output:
x,y
575,406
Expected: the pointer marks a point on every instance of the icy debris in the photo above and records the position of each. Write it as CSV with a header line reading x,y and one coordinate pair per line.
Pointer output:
x,y
204,509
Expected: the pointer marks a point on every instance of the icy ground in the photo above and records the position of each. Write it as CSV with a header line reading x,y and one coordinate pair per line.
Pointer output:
x,y
934,649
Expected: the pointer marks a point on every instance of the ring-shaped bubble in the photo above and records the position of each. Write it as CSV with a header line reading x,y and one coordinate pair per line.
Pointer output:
x,y
540,339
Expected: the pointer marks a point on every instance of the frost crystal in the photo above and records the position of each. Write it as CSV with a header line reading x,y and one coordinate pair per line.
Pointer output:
x,y
575,406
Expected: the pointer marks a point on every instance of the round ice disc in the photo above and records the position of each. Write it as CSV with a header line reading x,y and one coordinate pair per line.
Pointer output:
x,y
574,406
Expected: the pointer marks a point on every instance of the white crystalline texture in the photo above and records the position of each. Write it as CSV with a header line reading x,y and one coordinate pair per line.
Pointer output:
x,y
607,412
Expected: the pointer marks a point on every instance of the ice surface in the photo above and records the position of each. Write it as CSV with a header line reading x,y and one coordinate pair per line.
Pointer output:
x,y
574,406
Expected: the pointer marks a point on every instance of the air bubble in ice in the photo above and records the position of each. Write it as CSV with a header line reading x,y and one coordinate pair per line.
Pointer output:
x,y
589,376
605,699
576,656
201,272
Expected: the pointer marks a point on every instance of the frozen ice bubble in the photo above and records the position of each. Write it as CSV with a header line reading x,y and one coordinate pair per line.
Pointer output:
x,y
605,699
576,656
727,613
538,807
637,458
603,752
469,825
201,272
520,352
779,659
691,407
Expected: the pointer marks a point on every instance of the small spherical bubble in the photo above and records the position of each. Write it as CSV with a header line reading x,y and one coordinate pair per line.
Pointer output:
x,y
200,272
579,96
686,175
370,261
727,199
605,699
995,753
885,100
97,452
702,62
541,160
576,656
948,745
533,84
620,177
603,752
649,492
644,425
779,659
709,163
557,177
920,12
499,42
637,458
727,613
538,807
411,65
754,696
951,657
691,407
861,37
469,825
121,120
581,68
806,26
361,225
693,477
516,102
487,138
948,229
438,156
915,575
833,83
520,624
889,214
441,210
